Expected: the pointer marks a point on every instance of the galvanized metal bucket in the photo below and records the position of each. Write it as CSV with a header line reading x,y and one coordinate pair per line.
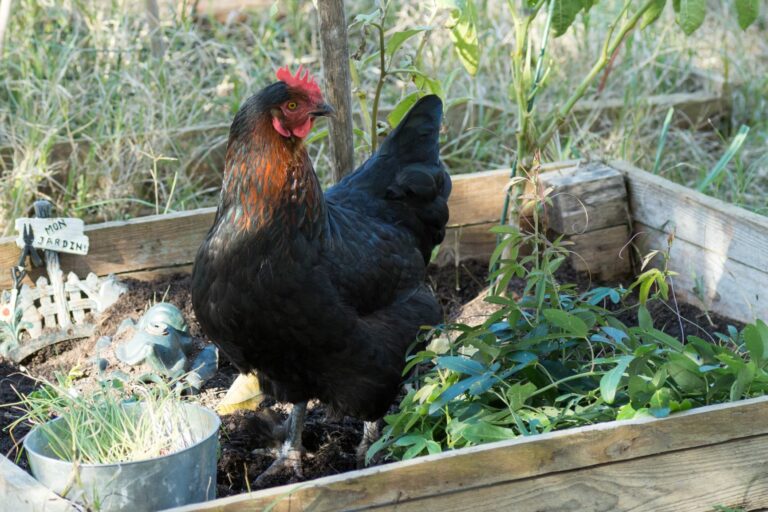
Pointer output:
x,y
180,478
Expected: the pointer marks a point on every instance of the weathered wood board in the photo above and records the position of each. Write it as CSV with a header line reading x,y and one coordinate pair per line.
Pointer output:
x,y
585,199
647,464
19,491
720,251
148,246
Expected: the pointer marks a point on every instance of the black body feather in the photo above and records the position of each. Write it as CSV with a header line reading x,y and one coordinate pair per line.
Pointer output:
x,y
322,294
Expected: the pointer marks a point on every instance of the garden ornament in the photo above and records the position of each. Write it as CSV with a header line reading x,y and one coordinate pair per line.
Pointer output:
x,y
161,339
57,307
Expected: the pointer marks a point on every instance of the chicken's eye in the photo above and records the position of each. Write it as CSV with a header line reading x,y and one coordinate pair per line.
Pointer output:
x,y
292,105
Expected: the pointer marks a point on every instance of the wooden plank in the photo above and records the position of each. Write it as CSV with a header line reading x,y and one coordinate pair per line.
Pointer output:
x,y
585,199
20,491
604,253
520,460
694,108
466,242
719,249
147,245
731,474
702,220
726,286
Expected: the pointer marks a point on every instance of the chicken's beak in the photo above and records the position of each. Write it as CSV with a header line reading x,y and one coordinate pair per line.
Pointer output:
x,y
323,109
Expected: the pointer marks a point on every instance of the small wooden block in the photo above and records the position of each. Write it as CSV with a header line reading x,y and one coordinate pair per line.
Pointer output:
x,y
602,253
585,199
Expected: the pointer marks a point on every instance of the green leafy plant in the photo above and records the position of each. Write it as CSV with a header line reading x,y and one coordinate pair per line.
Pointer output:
x,y
555,357
462,25
528,69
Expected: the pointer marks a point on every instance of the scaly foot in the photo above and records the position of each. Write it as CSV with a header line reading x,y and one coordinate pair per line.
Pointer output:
x,y
288,464
290,452
371,434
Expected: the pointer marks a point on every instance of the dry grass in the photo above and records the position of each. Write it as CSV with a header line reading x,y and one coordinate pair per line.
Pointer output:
x,y
106,131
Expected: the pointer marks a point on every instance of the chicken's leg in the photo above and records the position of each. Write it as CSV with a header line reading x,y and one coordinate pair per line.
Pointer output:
x,y
371,434
290,453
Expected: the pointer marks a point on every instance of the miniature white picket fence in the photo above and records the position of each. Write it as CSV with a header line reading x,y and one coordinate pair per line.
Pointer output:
x,y
46,306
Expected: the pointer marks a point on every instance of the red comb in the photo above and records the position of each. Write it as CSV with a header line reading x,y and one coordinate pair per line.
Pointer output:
x,y
297,81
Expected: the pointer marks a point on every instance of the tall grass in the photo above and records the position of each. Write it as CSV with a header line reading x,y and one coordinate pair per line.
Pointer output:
x,y
106,131
115,423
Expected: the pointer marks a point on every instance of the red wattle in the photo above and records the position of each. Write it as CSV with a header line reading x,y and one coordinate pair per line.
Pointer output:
x,y
303,130
277,125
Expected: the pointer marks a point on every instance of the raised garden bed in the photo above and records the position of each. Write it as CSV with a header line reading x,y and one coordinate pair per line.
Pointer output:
x,y
648,464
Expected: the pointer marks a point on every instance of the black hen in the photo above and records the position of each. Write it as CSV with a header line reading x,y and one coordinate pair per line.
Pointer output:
x,y
321,294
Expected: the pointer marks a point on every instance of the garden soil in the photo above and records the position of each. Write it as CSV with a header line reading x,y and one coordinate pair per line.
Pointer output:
x,y
330,442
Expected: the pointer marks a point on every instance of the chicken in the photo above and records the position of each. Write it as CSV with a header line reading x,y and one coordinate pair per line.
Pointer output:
x,y
321,295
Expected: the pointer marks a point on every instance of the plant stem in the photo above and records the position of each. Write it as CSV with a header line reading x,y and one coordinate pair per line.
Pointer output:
x,y
379,86
608,49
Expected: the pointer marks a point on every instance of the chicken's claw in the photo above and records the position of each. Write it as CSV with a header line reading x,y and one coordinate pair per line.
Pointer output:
x,y
288,462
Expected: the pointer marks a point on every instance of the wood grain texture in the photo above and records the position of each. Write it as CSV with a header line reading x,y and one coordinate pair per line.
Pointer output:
x,y
585,199
334,51
20,492
534,462
604,253
702,220
142,244
692,480
718,245
727,287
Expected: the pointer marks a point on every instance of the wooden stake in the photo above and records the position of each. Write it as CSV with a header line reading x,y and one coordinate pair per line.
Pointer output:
x,y
334,51
5,14
153,18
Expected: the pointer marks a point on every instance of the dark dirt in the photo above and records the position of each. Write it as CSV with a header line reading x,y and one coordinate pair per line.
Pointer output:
x,y
330,443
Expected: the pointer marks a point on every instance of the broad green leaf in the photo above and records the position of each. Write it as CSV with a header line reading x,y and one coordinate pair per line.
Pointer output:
x,y
402,108
569,323
691,15
518,393
640,391
744,378
755,343
460,365
564,14
665,339
609,383
653,13
644,319
746,12
426,83
433,447
397,39
415,449
661,398
482,432
464,36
